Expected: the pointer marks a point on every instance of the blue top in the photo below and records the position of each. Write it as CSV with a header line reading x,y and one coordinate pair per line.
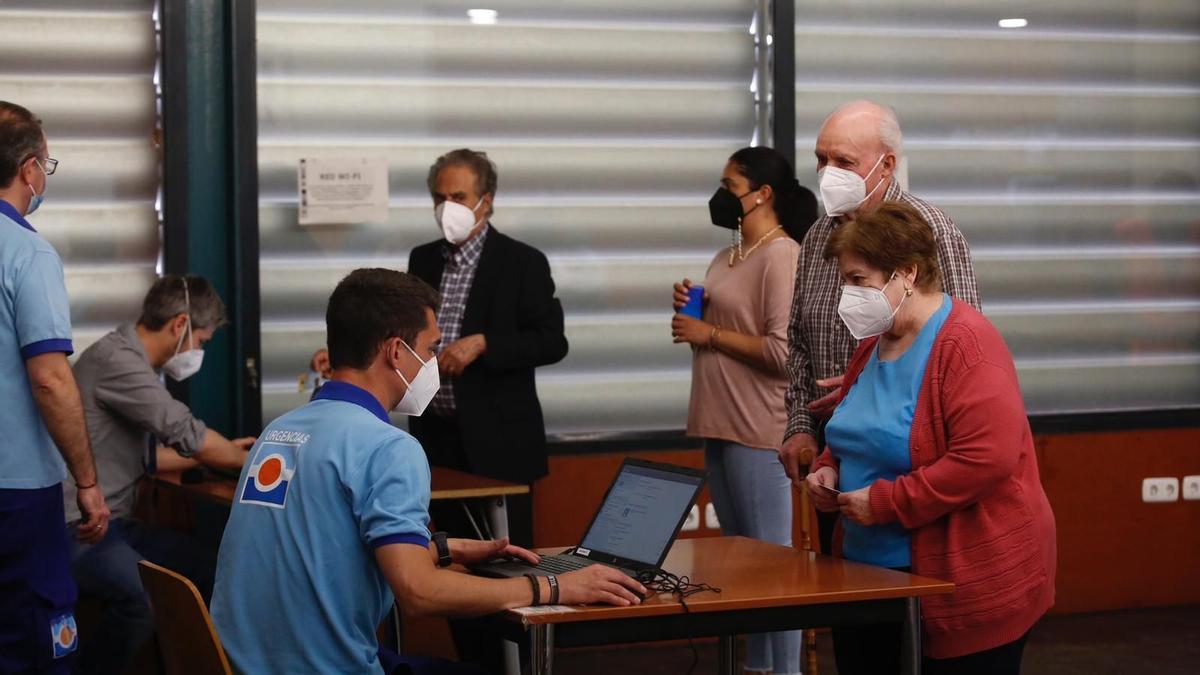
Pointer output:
x,y
869,432
298,589
35,318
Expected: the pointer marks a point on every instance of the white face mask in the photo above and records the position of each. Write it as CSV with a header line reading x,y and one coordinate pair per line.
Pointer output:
x,y
842,190
456,220
867,311
184,364
422,388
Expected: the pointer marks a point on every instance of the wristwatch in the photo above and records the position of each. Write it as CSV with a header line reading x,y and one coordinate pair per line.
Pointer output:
x,y
443,549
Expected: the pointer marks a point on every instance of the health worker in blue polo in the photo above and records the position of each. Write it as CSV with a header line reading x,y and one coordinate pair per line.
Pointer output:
x,y
42,419
330,519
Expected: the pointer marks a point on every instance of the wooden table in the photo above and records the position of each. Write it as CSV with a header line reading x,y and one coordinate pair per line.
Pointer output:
x,y
764,588
445,484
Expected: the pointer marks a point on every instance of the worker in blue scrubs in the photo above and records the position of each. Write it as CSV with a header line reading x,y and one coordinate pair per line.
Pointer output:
x,y
40,410
330,519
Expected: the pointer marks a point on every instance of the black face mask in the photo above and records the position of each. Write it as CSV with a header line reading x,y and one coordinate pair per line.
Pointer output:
x,y
725,208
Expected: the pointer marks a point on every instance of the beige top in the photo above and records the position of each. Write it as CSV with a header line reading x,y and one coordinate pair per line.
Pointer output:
x,y
732,400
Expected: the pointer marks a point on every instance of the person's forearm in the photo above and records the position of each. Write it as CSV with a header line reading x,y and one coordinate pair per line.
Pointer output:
x,y
745,348
465,595
169,460
219,452
58,401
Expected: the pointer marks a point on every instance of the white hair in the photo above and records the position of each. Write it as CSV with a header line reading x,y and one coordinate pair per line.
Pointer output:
x,y
889,123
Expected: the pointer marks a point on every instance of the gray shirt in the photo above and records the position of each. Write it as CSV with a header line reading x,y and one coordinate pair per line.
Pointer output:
x,y
125,403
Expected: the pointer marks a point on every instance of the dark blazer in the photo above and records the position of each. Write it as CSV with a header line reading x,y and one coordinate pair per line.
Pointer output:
x,y
512,303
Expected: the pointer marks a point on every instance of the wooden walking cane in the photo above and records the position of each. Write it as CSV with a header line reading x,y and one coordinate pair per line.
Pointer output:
x,y
810,634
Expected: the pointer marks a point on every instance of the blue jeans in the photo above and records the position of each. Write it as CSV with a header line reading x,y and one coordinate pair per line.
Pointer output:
x,y
108,571
753,498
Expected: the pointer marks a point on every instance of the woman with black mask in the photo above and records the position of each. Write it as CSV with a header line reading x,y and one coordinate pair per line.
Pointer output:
x,y
740,349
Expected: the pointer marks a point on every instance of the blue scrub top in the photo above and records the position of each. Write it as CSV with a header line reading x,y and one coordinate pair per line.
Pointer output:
x,y
35,319
298,589
869,434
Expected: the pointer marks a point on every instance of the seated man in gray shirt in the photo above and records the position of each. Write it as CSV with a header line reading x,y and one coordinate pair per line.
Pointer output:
x,y
135,425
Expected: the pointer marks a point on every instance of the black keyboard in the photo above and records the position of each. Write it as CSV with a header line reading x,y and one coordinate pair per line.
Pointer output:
x,y
561,564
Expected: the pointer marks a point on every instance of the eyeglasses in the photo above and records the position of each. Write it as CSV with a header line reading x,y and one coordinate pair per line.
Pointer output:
x,y
49,166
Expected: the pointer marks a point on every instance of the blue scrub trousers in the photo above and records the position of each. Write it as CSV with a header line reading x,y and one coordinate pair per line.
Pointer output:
x,y
37,595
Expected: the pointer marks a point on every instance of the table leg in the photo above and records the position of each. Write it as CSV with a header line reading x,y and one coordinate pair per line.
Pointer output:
x,y
910,650
497,515
497,511
543,649
727,655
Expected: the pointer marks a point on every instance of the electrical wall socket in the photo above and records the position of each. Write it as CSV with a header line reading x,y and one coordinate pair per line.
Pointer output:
x,y
1190,487
692,523
1160,489
710,517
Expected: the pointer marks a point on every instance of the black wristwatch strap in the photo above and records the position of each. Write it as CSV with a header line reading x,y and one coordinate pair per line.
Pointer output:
x,y
553,589
443,549
537,590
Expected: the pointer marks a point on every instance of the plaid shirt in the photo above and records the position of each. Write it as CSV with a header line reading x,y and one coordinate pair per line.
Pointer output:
x,y
819,345
457,276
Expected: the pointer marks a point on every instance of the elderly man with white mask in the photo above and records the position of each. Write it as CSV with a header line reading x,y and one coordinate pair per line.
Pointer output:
x,y
858,149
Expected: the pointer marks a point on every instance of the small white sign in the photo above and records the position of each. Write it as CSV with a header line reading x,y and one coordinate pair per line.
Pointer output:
x,y
343,191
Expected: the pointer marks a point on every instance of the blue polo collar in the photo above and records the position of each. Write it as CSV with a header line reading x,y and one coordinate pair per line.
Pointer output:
x,y
336,390
11,211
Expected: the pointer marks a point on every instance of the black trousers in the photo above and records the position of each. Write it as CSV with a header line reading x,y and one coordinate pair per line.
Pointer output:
x,y
443,446
874,649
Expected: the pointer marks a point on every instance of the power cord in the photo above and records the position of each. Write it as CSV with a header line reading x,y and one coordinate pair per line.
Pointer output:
x,y
662,581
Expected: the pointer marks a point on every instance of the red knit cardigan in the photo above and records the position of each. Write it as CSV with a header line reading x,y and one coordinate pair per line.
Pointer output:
x,y
973,502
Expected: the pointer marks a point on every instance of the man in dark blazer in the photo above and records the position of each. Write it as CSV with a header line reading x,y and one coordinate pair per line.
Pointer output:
x,y
499,321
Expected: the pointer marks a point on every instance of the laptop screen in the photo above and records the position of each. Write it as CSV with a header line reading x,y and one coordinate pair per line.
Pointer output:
x,y
641,512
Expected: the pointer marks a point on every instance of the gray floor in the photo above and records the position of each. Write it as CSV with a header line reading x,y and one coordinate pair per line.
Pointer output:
x,y
1161,641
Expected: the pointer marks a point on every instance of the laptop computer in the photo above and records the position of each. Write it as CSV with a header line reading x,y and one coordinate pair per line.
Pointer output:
x,y
633,529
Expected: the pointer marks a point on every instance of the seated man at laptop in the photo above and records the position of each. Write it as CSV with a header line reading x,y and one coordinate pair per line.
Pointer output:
x,y
330,518
129,412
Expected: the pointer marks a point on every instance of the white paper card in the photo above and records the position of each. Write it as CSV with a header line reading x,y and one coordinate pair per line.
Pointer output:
x,y
343,190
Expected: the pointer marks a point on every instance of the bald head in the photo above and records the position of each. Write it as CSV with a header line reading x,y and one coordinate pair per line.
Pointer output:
x,y
868,120
863,137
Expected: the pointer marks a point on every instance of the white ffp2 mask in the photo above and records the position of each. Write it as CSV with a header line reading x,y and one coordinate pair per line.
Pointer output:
x,y
843,190
422,389
867,311
184,364
456,220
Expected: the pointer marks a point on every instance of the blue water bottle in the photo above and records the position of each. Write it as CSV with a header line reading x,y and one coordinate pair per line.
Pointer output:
x,y
695,304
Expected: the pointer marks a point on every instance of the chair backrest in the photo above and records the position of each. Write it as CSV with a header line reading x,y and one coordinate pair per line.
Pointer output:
x,y
187,640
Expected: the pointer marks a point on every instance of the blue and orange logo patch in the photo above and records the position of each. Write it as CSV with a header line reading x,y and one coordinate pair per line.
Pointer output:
x,y
64,636
271,471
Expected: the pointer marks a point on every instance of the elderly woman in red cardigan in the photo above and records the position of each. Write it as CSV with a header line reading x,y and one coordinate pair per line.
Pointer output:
x,y
932,452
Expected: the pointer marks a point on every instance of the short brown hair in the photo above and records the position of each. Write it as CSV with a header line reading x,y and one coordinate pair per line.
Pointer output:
x,y
21,137
166,300
370,306
477,161
889,238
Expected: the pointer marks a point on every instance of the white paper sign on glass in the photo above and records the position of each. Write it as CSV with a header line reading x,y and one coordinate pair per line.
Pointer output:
x,y
342,190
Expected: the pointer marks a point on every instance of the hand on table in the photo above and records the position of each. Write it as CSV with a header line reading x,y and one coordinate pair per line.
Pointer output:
x,y
599,583
472,551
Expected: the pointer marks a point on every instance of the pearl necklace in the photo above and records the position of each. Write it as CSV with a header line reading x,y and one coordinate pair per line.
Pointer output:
x,y
742,256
